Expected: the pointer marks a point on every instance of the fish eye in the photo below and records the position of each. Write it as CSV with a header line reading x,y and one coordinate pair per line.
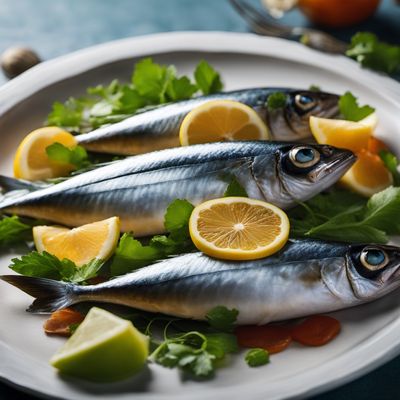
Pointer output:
x,y
305,102
374,259
304,157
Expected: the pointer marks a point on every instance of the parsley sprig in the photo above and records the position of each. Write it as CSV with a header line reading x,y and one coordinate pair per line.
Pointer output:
x,y
132,254
151,84
46,265
13,230
344,216
197,352
366,49
351,110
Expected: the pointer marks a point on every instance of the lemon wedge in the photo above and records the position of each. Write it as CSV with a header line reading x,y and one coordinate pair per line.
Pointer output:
x,y
343,134
222,120
238,228
97,240
368,175
104,348
31,161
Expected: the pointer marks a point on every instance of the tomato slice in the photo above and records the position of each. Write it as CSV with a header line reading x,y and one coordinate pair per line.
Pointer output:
x,y
316,330
273,338
60,321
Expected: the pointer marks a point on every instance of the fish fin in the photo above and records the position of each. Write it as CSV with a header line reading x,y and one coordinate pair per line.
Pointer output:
x,y
50,295
8,184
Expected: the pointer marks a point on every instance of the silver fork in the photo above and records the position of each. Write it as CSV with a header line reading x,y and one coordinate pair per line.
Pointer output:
x,y
263,24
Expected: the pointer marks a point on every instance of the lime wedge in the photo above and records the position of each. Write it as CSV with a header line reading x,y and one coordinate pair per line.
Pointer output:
x,y
104,348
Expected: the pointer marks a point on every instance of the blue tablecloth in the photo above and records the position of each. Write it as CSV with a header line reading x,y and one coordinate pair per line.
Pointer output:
x,y
56,27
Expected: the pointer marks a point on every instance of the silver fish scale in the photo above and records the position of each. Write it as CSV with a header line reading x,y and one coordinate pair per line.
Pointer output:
x,y
165,119
283,286
140,188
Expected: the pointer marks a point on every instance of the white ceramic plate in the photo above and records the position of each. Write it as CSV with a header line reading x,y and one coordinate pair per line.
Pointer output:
x,y
370,332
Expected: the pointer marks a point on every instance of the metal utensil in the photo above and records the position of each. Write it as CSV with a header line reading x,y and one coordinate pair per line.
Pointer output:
x,y
263,24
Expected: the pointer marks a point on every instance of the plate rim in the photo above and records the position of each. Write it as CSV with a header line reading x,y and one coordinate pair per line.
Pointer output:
x,y
69,65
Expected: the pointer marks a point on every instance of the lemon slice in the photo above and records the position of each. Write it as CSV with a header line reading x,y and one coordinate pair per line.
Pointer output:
x,y
238,228
104,348
31,161
80,245
343,134
368,175
222,120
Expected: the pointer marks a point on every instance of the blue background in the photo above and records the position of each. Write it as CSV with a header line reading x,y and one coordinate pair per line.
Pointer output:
x,y
56,27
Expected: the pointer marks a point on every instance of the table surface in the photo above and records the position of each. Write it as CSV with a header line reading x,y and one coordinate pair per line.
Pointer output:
x,y
54,28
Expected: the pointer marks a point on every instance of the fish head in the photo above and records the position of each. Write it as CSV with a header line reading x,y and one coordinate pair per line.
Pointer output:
x,y
291,122
302,171
373,270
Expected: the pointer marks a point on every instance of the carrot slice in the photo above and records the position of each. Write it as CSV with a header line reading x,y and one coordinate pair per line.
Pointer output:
x,y
273,338
60,322
316,330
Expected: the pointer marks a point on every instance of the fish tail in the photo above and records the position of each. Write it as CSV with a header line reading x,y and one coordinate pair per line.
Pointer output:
x,y
8,184
12,190
50,295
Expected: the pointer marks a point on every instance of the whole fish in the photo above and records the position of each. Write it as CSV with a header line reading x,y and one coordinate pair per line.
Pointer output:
x,y
158,128
306,277
139,189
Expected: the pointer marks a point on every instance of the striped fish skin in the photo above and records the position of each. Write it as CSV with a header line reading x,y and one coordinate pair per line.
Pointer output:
x,y
306,277
139,189
158,129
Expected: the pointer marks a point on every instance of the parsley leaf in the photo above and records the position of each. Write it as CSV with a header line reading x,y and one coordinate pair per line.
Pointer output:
x,y
314,88
276,101
177,215
207,78
13,230
367,50
180,89
391,163
222,319
344,216
235,189
350,109
76,156
257,357
45,265
195,352
151,80
68,115
151,84
132,254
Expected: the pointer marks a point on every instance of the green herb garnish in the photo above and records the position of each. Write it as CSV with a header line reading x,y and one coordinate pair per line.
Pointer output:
x,y
391,163
366,49
45,265
276,100
76,156
346,217
193,351
207,78
132,254
350,109
314,88
151,84
235,189
257,357
222,319
13,230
